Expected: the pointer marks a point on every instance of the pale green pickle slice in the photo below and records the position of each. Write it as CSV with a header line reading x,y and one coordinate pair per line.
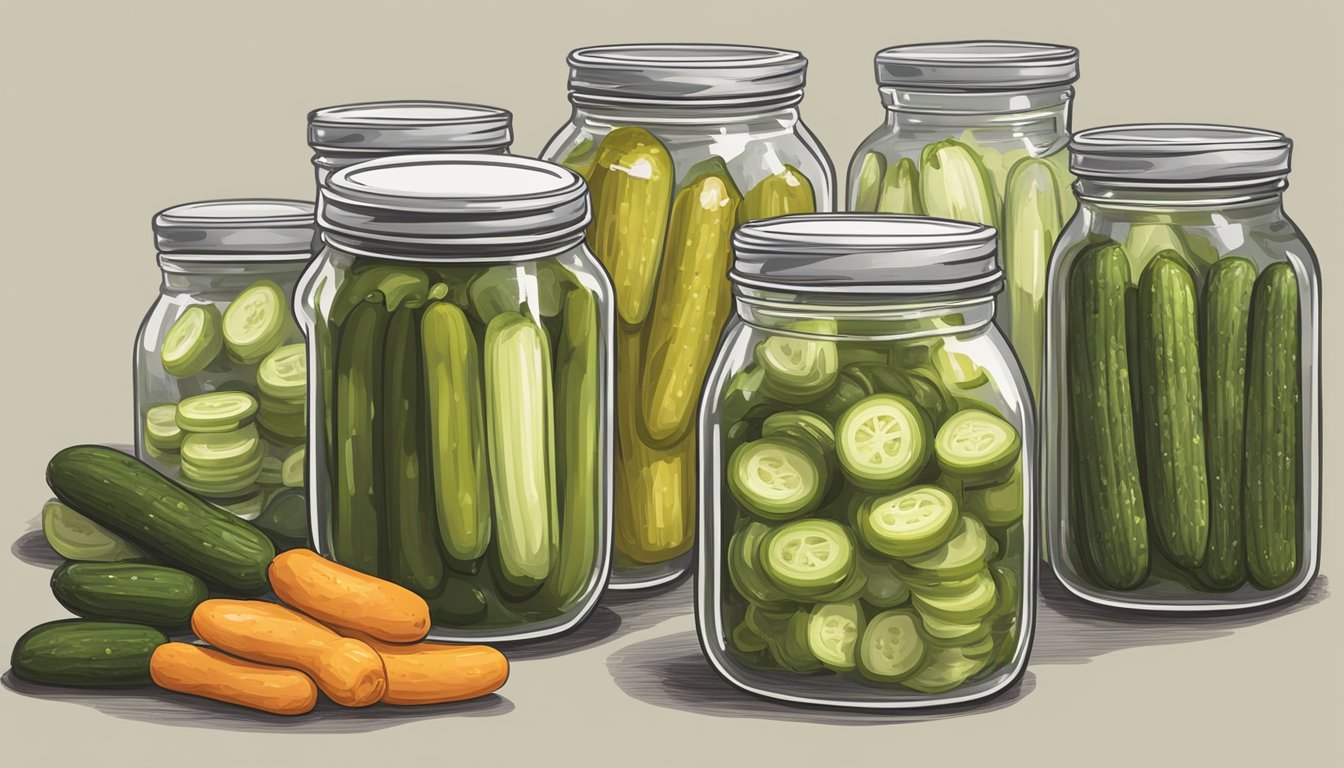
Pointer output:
x,y
254,323
193,341
283,374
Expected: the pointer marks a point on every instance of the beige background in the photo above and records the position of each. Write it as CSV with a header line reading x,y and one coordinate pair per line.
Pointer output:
x,y
115,110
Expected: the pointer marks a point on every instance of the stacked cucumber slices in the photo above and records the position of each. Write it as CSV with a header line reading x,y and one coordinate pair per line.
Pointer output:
x,y
873,513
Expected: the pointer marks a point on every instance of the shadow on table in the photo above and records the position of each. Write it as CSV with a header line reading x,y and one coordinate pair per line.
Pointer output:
x,y
1072,631
31,547
151,705
618,614
671,672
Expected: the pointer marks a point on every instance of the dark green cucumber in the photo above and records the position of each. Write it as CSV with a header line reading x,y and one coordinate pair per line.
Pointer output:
x,y
1224,329
285,520
87,654
1172,411
143,594
1270,494
357,532
413,559
125,495
1101,414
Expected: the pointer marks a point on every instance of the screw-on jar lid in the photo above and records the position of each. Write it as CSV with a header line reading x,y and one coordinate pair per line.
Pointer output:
x,y
445,201
409,126
1179,153
848,253
977,65
236,227
654,72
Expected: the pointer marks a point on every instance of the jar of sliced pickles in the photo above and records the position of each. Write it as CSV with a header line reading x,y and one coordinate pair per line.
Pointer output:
x,y
220,380
459,347
867,486
977,131
679,143
343,135
1182,404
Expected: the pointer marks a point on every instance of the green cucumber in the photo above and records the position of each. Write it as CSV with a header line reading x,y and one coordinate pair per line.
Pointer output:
x,y
976,446
1032,222
833,629
953,184
797,369
193,341
1271,495
910,523
900,189
76,537
86,654
161,429
1101,416
254,323
248,507
1172,408
216,412
132,592
458,603
868,192
883,442
962,555
357,531
891,648
807,557
176,528
777,478
284,520
283,374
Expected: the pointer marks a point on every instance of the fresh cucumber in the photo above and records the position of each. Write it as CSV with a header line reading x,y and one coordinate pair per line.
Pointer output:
x,y
86,654
358,535
132,592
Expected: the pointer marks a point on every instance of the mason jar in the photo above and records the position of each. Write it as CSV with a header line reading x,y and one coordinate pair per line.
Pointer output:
x,y
219,365
679,143
459,353
867,488
977,131
343,135
1182,410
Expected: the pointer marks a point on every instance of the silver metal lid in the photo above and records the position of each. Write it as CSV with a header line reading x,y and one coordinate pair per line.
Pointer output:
x,y
867,253
409,126
236,227
977,65
450,200
670,72
1179,153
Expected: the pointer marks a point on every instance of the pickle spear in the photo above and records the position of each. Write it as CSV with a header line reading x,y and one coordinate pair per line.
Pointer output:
x,y
356,504
900,189
779,194
581,158
869,192
631,190
953,184
1031,223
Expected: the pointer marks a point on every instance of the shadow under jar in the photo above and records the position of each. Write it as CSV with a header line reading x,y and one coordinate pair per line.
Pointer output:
x,y
459,348
977,131
867,479
220,384
1182,401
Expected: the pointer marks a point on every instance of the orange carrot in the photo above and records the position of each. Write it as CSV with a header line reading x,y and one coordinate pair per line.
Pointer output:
x,y
433,673
206,672
343,597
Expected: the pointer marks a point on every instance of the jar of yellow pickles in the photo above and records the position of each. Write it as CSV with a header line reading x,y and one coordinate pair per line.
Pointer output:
x,y
680,144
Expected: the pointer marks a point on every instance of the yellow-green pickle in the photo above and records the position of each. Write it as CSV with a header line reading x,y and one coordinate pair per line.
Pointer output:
x,y
679,145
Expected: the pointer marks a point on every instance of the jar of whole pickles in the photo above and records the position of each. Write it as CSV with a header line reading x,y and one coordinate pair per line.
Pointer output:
x,y
343,135
219,363
867,481
679,143
459,347
977,131
1182,403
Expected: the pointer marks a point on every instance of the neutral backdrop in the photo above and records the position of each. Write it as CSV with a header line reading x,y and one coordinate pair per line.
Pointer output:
x,y
112,111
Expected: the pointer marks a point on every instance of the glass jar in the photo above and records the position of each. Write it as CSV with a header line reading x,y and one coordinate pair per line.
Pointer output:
x,y
679,143
219,377
1182,402
459,343
343,135
867,460
977,131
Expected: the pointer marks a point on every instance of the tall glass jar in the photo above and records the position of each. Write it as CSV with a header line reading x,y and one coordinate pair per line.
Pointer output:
x,y
1182,403
977,131
867,486
679,143
343,135
459,348
219,377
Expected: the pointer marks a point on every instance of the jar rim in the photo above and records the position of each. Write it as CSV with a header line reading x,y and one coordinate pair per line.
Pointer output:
x,y
672,73
1179,153
236,227
409,125
976,65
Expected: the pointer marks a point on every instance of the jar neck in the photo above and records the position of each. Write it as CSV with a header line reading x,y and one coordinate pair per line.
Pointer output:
x,y
200,273
603,117
1237,200
869,317
1043,112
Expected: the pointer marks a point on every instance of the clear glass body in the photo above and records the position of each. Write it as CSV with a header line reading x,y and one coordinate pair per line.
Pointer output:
x,y
769,634
460,419
668,185
994,157
1216,482
213,282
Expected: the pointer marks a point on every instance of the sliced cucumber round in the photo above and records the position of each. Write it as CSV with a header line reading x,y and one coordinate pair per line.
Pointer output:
x,y
960,556
807,556
223,450
292,468
744,568
285,520
215,412
882,442
797,369
270,471
963,609
776,478
846,392
930,584
246,508
802,425
216,485
910,523
744,639
948,668
791,650
976,446
283,374
193,341
883,587
998,506
951,633
76,537
958,370
891,648
833,630
254,323
161,427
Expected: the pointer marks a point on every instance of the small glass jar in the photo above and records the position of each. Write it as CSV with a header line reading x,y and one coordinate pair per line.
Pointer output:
x,y
343,135
1182,406
459,347
867,480
977,131
219,378
679,143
